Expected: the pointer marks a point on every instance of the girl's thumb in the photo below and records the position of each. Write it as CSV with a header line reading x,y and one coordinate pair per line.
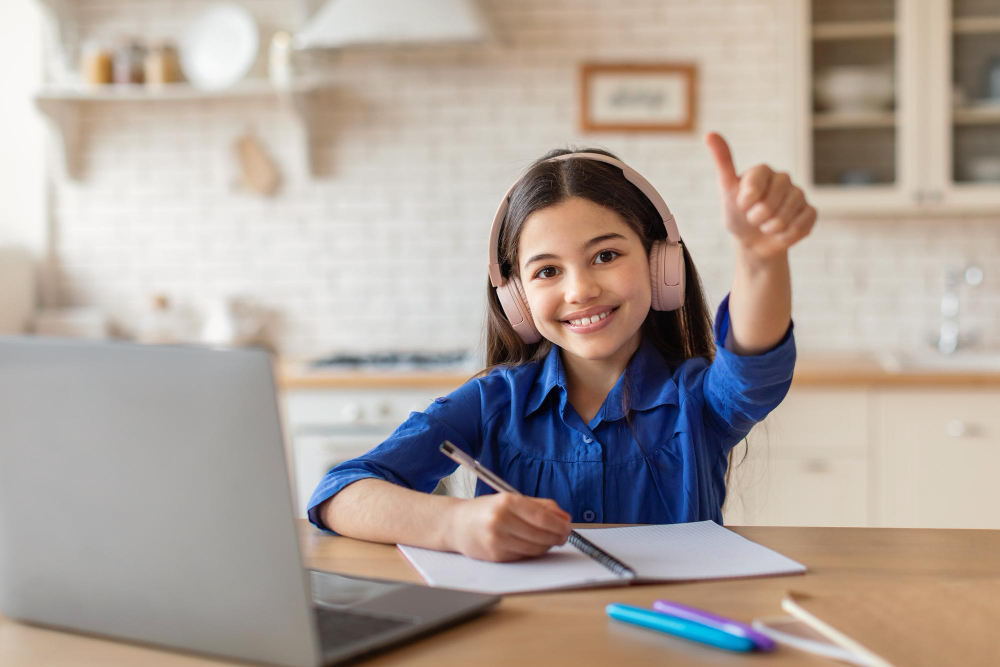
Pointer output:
x,y
728,180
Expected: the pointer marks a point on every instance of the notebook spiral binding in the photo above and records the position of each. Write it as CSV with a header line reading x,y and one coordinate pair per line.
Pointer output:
x,y
600,555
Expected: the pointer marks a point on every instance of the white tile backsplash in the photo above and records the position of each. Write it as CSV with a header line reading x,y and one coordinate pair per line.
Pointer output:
x,y
387,247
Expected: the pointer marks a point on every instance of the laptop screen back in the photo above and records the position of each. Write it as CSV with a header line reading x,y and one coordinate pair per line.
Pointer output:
x,y
144,495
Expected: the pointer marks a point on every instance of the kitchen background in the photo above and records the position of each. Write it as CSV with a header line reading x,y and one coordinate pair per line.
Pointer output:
x,y
362,226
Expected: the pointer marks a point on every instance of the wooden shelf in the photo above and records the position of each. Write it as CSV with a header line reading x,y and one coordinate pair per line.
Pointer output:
x,y
976,26
976,115
171,91
61,106
853,30
837,120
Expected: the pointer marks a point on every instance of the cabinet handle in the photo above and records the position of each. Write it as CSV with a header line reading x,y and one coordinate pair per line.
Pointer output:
x,y
351,412
918,196
815,466
956,428
935,195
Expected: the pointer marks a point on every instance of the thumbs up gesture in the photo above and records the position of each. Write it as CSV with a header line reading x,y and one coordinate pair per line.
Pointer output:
x,y
762,209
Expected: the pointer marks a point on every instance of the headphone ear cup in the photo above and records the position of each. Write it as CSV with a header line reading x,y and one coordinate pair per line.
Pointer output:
x,y
667,275
515,307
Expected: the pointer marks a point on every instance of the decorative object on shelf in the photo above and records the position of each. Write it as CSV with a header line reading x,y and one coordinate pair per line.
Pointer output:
x,y
162,65
856,88
165,320
280,67
129,61
98,64
235,320
985,168
344,23
858,177
258,171
634,97
991,90
219,47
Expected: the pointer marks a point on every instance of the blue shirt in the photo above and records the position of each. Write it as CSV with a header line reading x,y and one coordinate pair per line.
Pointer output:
x,y
518,422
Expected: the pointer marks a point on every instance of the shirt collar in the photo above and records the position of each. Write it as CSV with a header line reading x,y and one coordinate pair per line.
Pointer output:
x,y
651,382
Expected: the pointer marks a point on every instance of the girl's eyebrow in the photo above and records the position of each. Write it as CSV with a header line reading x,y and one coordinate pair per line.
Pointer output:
x,y
592,242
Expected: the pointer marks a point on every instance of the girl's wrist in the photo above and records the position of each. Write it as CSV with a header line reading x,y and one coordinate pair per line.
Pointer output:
x,y
450,524
753,261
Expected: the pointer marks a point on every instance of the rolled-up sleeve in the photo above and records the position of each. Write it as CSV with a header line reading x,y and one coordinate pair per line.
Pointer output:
x,y
410,456
741,390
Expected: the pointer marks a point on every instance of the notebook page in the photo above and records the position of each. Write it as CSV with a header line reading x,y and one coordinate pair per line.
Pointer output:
x,y
561,567
687,551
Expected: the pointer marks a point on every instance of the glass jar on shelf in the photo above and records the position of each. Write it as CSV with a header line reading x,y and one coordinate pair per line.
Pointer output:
x,y
162,64
97,64
129,63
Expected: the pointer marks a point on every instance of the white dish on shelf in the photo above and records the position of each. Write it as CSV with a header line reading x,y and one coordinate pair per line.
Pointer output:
x,y
984,168
219,47
855,88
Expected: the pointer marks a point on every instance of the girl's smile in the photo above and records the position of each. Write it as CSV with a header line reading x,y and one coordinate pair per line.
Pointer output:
x,y
593,319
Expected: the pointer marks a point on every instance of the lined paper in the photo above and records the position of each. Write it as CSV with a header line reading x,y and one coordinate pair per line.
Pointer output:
x,y
690,551
673,552
560,567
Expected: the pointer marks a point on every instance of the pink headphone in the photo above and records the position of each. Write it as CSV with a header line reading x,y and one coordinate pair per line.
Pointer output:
x,y
666,258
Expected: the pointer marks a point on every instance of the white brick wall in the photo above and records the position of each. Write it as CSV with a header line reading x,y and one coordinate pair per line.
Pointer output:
x,y
387,247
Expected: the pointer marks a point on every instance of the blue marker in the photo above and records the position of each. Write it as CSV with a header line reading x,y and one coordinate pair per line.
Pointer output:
x,y
647,618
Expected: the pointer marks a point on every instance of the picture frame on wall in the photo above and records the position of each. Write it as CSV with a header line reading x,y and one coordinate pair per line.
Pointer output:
x,y
637,97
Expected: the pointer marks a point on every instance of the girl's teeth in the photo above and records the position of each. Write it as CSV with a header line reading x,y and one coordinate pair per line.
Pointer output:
x,y
589,320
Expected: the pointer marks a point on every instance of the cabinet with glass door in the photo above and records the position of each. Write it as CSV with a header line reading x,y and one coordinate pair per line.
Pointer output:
x,y
898,105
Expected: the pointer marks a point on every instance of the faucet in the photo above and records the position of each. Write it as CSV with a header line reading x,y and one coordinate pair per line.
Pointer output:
x,y
949,338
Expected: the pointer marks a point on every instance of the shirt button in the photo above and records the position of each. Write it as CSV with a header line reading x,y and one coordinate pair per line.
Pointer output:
x,y
587,439
589,515
440,399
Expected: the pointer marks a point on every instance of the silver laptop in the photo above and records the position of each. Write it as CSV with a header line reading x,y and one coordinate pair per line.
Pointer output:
x,y
144,495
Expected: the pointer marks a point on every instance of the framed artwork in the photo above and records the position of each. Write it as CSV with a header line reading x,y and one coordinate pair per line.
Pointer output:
x,y
639,97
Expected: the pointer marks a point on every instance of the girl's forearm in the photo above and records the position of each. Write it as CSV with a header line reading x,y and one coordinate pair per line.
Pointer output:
x,y
760,303
379,511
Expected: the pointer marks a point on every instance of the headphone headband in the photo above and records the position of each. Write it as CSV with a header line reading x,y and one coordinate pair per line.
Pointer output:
x,y
631,175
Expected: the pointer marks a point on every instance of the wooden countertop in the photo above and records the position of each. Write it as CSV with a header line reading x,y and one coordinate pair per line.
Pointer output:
x,y
810,371
570,627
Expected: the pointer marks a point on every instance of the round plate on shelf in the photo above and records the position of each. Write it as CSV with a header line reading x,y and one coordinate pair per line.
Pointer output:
x,y
219,47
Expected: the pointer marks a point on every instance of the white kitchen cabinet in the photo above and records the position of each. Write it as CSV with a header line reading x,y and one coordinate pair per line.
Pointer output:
x,y
928,152
940,458
807,464
327,426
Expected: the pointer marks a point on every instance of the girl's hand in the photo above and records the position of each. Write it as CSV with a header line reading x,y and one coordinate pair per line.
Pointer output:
x,y
762,209
504,527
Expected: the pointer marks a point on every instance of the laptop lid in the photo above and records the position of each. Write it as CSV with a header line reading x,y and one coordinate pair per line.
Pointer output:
x,y
143,495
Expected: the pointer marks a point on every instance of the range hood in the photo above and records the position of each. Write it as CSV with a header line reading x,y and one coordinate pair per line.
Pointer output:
x,y
341,23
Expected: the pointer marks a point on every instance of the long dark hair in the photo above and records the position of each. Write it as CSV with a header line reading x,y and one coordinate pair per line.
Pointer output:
x,y
678,334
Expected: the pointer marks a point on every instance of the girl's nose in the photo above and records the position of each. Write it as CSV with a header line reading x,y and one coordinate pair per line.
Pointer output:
x,y
581,287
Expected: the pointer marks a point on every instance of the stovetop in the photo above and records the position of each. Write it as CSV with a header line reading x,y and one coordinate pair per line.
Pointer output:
x,y
393,360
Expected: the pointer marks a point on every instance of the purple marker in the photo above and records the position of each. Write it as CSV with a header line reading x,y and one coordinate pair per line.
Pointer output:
x,y
677,610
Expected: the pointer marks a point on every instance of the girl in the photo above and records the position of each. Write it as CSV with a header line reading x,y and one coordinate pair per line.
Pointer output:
x,y
605,398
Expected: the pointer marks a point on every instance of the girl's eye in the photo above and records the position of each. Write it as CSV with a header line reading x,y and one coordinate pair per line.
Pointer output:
x,y
604,256
540,272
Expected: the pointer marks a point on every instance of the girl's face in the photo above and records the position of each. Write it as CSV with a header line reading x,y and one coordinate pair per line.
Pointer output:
x,y
579,260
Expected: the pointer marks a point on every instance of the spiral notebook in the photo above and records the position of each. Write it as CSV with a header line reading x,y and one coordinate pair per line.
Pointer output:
x,y
656,553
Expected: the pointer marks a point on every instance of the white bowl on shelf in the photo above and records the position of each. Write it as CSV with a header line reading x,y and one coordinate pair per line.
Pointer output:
x,y
855,88
219,47
985,168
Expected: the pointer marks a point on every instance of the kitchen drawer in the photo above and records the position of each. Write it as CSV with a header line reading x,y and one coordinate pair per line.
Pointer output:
x,y
940,458
799,490
325,407
816,419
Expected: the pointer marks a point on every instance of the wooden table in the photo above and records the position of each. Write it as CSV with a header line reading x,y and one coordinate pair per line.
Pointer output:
x,y
570,627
